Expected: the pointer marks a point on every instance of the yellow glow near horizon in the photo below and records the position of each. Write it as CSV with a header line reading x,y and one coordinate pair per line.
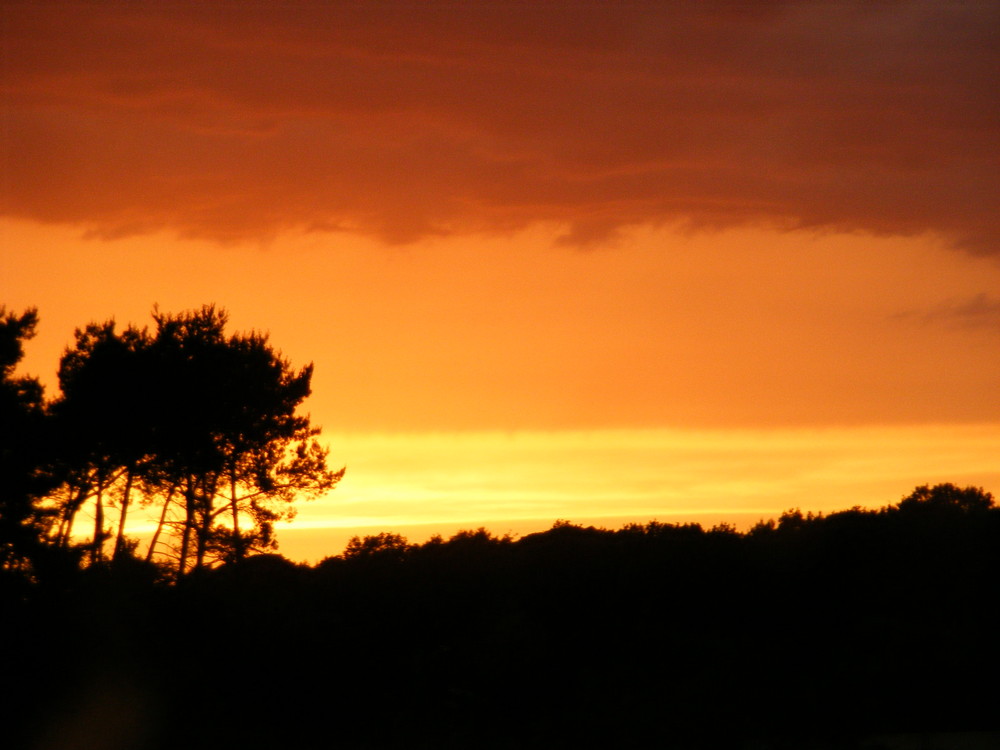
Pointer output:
x,y
441,482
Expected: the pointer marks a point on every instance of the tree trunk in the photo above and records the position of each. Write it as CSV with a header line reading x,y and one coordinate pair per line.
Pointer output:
x,y
159,526
204,529
120,538
68,516
237,541
188,525
97,548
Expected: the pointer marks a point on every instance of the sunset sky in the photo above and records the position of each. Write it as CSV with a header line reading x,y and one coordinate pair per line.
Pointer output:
x,y
562,260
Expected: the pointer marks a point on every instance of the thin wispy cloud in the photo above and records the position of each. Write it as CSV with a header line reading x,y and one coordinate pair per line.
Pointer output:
x,y
981,311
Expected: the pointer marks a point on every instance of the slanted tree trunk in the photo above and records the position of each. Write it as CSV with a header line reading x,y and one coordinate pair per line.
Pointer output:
x,y
159,526
68,515
120,538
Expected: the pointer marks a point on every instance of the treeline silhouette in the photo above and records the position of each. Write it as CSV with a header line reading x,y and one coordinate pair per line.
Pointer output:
x,y
839,630
807,631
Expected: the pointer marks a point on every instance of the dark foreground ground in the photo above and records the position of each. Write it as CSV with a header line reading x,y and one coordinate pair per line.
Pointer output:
x,y
860,630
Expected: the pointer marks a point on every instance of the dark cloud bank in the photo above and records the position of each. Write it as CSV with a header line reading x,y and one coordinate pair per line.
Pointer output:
x,y
237,121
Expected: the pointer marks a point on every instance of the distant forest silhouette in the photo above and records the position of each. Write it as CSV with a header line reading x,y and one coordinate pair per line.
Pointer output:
x,y
860,628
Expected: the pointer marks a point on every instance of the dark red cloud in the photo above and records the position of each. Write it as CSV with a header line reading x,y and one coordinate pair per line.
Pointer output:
x,y
232,120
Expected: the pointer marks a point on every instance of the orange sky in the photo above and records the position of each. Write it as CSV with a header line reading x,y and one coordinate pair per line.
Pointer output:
x,y
724,258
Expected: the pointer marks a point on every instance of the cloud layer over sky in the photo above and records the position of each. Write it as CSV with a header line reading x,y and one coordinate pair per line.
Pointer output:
x,y
235,121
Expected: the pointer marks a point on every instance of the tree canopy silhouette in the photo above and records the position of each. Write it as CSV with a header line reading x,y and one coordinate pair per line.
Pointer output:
x,y
947,498
22,414
202,424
